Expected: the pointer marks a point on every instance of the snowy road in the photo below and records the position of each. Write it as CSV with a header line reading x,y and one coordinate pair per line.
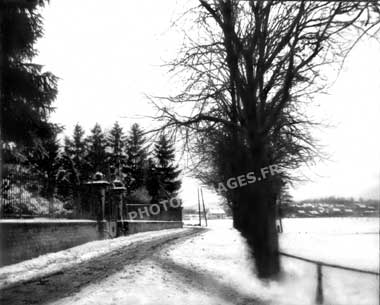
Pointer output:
x,y
126,260
203,267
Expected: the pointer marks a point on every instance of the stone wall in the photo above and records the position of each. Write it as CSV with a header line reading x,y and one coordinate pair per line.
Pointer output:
x,y
136,226
153,212
25,239
22,239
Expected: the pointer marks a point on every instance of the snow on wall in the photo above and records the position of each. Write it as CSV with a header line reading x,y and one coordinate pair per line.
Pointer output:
x,y
22,240
26,239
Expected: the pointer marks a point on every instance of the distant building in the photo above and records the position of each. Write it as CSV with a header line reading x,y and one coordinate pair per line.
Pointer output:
x,y
216,213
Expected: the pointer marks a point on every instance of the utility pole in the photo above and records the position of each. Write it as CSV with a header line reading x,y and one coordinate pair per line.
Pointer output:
x,y
199,209
204,209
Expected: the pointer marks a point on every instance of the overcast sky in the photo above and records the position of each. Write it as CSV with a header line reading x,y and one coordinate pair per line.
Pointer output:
x,y
109,56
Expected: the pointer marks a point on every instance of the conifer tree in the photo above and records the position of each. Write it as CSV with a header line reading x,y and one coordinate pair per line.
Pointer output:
x,y
97,156
152,181
27,92
73,166
73,161
163,174
115,141
76,147
45,162
136,158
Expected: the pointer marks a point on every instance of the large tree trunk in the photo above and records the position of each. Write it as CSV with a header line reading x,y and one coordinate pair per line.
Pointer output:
x,y
255,217
254,205
262,237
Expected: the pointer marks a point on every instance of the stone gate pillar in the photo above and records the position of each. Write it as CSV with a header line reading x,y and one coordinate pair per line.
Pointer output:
x,y
117,191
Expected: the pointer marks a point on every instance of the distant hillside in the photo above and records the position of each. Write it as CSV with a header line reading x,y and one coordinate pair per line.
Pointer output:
x,y
332,207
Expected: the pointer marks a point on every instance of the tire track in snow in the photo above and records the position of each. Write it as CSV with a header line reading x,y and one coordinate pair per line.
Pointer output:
x,y
65,282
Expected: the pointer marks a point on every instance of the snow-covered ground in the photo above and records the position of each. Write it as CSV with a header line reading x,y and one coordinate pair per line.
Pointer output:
x,y
54,262
211,268
351,242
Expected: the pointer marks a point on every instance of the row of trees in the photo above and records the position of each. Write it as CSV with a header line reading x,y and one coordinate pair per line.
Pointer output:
x,y
250,68
29,139
117,156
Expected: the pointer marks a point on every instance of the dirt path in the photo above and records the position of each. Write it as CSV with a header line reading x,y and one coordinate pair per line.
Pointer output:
x,y
200,270
67,282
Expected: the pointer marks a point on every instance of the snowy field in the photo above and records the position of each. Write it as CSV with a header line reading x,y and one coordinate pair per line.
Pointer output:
x,y
351,242
210,268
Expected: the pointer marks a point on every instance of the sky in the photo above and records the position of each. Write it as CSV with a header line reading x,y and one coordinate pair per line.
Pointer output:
x,y
109,57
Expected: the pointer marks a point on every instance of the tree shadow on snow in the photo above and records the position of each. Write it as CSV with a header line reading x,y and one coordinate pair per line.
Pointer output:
x,y
207,282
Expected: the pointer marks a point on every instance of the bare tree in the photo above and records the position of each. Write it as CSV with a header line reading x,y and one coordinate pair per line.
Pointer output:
x,y
249,73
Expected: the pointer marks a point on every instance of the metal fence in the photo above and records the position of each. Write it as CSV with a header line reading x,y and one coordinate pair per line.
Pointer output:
x,y
26,194
319,297
18,188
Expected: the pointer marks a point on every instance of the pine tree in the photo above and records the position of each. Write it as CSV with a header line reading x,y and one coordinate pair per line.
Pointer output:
x,y
74,157
45,162
136,158
164,182
27,93
97,156
152,181
76,148
116,141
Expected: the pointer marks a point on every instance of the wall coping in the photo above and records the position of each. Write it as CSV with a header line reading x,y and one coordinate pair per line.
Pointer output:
x,y
39,220
149,221
20,221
